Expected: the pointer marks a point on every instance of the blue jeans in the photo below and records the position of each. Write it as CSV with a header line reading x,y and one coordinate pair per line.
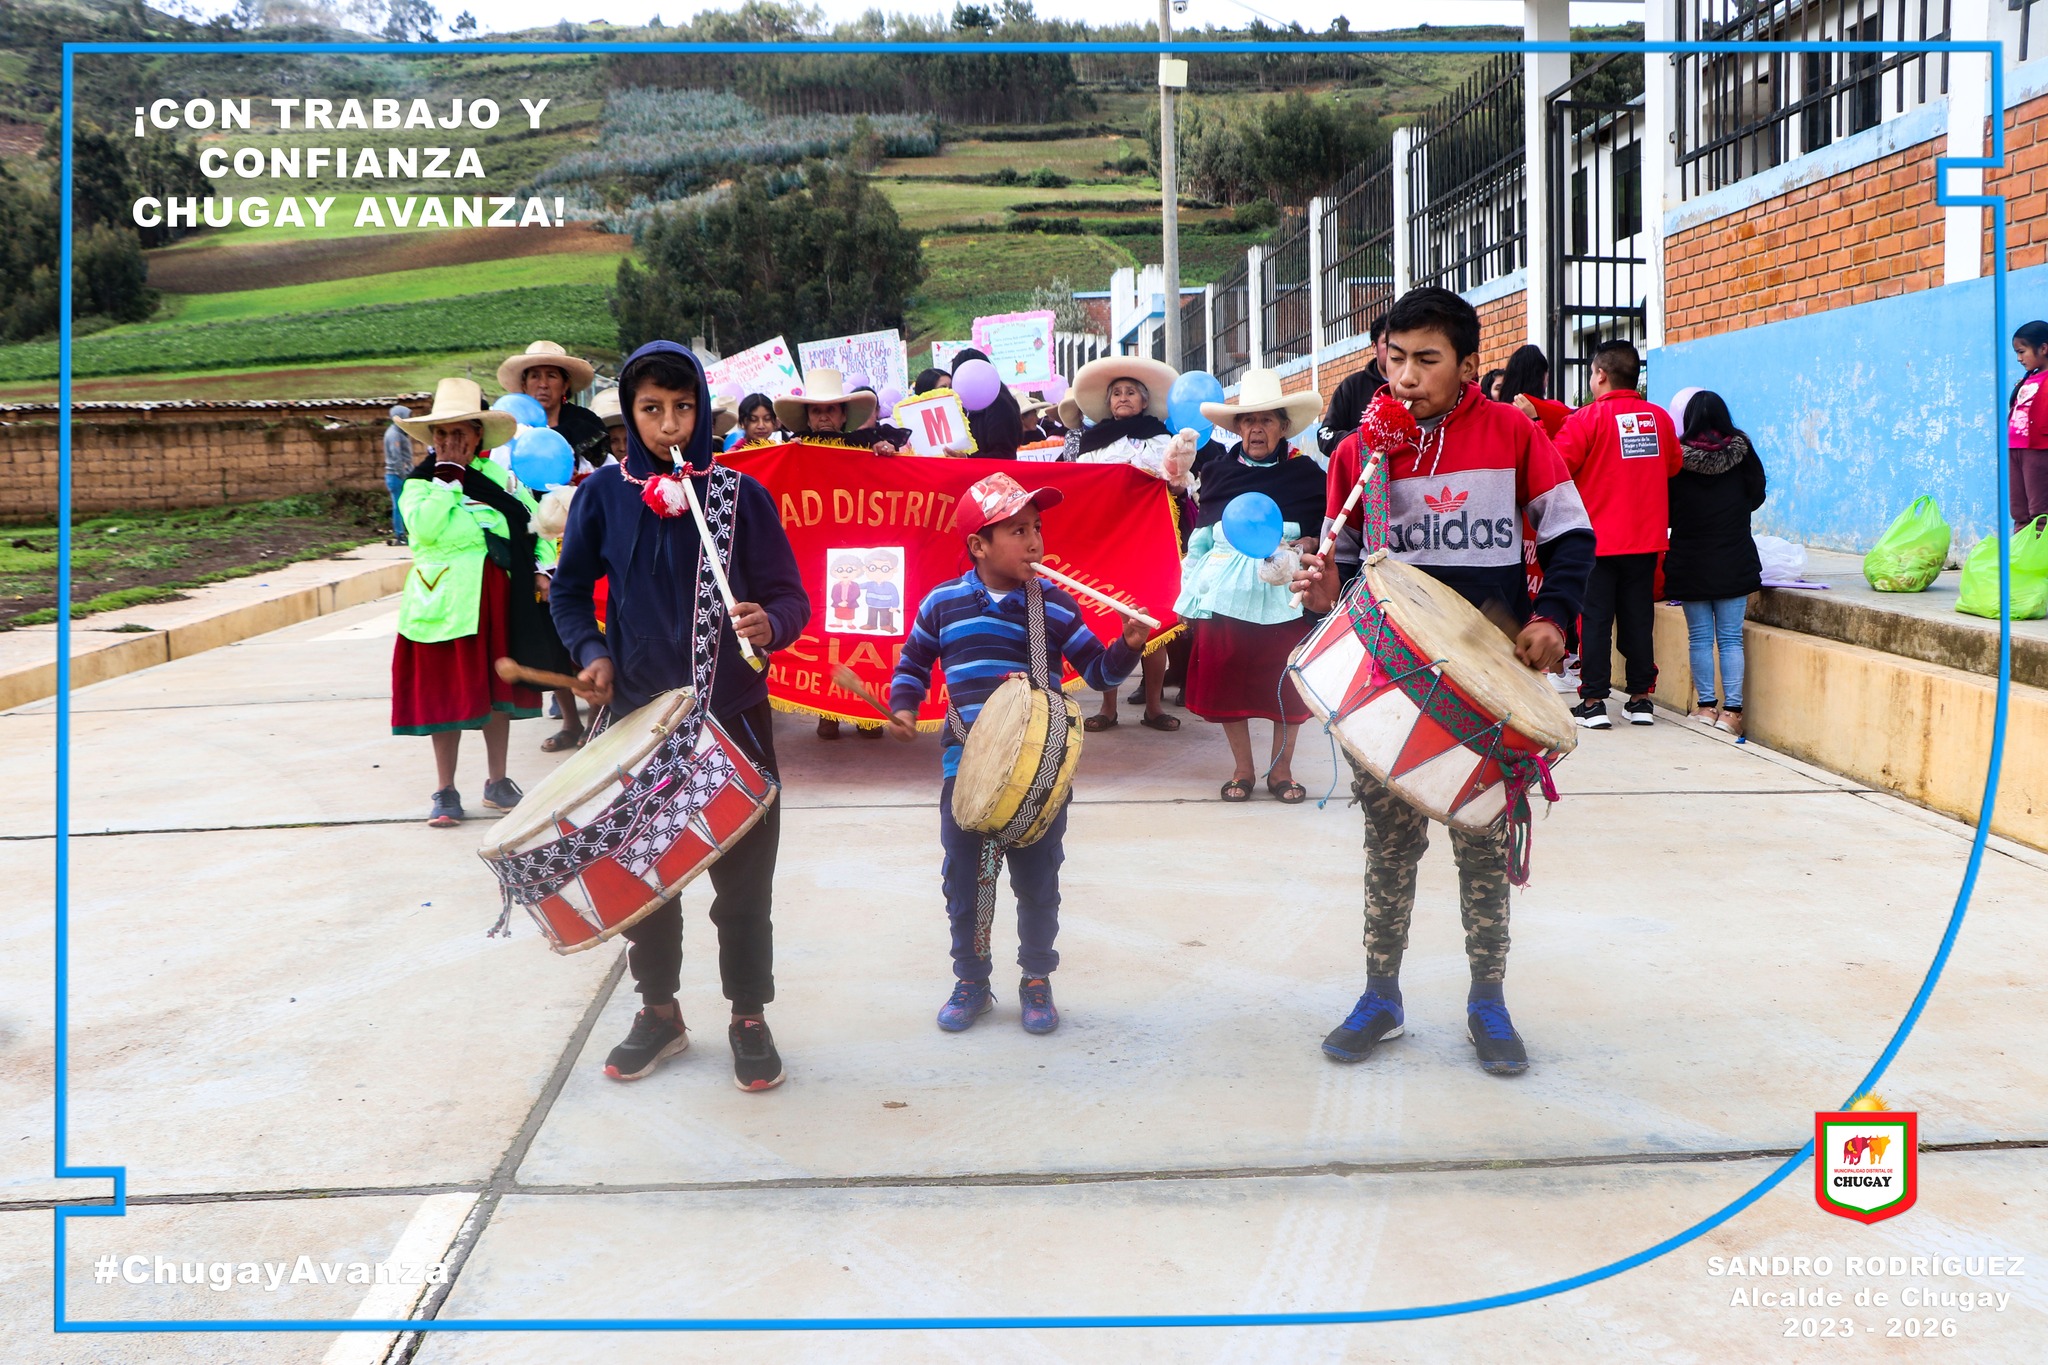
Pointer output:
x,y
1708,624
396,484
1034,880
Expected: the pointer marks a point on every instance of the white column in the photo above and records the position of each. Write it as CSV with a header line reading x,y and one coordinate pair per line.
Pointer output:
x,y
1662,190
1315,292
1405,207
1969,104
1209,328
1542,72
1255,307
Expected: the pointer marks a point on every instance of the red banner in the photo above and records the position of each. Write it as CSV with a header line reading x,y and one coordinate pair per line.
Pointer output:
x,y
874,534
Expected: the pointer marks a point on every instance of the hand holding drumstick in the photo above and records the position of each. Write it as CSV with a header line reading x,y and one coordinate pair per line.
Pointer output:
x,y
902,724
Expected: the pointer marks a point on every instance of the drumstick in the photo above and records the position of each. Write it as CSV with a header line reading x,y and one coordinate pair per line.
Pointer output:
x,y
512,671
1365,474
850,680
732,605
1056,576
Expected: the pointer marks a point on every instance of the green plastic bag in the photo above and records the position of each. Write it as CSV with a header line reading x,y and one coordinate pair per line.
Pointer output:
x,y
1908,557
1979,594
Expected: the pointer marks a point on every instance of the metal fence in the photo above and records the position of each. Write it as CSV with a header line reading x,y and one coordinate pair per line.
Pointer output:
x,y
1599,273
1285,302
1358,248
1072,350
1739,114
1194,333
1467,177
1233,339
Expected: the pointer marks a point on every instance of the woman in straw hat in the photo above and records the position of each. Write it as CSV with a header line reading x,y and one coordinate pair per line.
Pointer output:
x,y
548,374
471,542
1124,396
826,414
1246,625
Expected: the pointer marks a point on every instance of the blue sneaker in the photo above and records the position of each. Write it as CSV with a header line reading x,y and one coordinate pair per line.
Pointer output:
x,y
1035,993
1500,1048
1371,1021
970,1000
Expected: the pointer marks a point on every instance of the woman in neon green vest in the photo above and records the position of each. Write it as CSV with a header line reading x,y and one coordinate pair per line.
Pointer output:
x,y
466,524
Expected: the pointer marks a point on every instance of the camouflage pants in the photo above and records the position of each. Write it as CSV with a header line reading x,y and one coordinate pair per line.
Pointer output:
x,y
1396,835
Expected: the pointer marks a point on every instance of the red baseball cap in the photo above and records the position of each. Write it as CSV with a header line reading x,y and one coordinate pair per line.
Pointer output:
x,y
998,497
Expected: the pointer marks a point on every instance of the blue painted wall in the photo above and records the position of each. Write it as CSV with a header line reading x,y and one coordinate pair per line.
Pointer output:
x,y
1857,411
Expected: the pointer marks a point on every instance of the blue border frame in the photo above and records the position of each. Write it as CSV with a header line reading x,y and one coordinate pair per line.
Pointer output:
x,y
119,1175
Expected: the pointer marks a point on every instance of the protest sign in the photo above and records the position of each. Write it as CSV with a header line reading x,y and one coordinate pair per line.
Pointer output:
x,y
934,420
878,356
1019,345
768,368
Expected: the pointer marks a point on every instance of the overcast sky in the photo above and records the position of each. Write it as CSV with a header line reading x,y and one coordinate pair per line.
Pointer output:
x,y
512,15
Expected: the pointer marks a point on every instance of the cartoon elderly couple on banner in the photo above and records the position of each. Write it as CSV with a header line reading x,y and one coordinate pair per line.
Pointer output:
x,y
870,577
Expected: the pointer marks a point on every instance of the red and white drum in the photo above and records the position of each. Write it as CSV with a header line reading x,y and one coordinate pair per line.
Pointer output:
x,y
626,822
1427,695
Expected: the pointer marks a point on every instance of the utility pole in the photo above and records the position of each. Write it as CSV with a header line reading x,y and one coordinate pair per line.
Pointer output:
x,y
1172,75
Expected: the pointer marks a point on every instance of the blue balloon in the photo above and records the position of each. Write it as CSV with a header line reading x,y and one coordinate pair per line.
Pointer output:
x,y
1251,523
1184,403
525,409
541,457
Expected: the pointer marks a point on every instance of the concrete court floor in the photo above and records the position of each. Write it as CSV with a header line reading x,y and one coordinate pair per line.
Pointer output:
x,y
280,989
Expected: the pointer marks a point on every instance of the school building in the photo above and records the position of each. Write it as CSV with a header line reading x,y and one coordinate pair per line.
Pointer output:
x,y
1760,224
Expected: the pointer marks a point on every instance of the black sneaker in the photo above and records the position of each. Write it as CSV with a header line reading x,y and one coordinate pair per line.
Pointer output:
x,y
1371,1021
1592,715
652,1041
1640,711
1500,1048
502,794
447,812
756,1065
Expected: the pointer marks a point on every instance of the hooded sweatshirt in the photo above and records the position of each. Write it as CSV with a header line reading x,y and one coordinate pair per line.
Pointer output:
x,y
652,564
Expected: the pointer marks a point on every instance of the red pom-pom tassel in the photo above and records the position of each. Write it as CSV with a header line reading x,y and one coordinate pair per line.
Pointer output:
x,y
1389,427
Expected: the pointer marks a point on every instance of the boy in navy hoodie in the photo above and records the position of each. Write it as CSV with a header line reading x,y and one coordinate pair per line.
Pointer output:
x,y
649,645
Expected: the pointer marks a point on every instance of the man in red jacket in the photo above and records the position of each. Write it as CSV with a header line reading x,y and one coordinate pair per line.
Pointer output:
x,y
1621,450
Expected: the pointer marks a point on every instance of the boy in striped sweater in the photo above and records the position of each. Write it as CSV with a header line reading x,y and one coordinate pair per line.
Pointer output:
x,y
975,628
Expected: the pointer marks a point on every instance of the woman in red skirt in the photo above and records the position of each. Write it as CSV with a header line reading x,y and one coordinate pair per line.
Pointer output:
x,y
466,526
1245,624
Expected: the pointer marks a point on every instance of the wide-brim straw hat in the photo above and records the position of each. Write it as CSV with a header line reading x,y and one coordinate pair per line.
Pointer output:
x,y
725,415
1029,405
1259,391
820,387
606,406
1070,413
461,400
1091,385
512,374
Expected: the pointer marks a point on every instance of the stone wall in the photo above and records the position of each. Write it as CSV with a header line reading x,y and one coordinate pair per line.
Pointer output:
x,y
129,456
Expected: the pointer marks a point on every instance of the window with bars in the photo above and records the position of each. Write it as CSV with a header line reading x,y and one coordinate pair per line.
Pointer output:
x,y
1466,171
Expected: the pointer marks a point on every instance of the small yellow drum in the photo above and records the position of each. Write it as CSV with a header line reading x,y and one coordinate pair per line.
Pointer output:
x,y
1017,767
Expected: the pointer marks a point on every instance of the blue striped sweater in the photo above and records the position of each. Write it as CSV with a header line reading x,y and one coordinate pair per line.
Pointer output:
x,y
979,642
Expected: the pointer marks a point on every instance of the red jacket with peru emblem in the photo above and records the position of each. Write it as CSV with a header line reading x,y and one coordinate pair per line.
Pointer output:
x,y
1623,452
1457,507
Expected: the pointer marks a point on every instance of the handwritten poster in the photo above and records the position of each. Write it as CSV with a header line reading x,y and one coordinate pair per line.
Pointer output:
x,y
944,351
1019,345
934,420
877,355
768,368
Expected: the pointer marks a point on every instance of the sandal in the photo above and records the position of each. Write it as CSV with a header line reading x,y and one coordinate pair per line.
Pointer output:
x,y
1237,789
1161,721
1099,722
1290,793
565,738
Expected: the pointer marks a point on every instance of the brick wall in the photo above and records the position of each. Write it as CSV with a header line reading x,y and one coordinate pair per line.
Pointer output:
x,y
2024,182
127,456
1868,233
1503,327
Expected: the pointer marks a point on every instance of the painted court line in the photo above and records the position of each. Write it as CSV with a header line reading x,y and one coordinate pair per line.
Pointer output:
x,y
424,1242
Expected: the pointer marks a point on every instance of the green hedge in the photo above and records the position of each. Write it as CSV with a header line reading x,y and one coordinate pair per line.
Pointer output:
x,y
576,315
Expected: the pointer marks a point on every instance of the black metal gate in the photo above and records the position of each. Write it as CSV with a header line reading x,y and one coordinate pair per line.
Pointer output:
x,y
1599,274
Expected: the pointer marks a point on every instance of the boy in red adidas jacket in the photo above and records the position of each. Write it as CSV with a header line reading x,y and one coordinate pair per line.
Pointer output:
x,y
1459,482
1622,451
